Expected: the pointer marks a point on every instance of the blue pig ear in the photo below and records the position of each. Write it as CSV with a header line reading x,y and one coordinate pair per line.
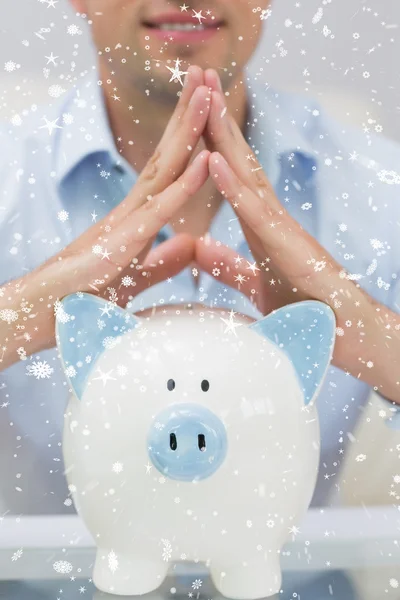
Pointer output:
x,y
83,322
305,331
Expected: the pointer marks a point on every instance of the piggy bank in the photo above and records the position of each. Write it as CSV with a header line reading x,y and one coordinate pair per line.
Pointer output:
x,y
191,435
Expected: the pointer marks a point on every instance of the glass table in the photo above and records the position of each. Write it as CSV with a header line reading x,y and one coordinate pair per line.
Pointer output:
x,y
346,553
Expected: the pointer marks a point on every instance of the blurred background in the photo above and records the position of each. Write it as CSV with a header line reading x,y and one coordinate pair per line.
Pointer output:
x,y
342,51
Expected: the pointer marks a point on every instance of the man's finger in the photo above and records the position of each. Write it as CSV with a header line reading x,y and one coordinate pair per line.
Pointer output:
x,y
224,136
173,155
164,261
142,224
227,266
193,80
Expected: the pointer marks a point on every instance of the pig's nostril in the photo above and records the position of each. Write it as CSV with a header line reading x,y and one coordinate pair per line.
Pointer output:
x,y
172,441
201,441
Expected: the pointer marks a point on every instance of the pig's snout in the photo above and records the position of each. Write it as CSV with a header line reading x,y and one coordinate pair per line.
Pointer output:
x,y
187,442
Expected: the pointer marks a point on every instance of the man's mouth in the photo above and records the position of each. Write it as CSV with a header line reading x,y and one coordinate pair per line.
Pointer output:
x,y
180,26
182,23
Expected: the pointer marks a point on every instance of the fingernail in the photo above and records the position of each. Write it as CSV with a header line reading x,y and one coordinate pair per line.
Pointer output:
x,y
200,156
185,81
219,83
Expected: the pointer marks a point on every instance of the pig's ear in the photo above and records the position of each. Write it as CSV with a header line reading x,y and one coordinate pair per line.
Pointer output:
x,y
305,331
85,326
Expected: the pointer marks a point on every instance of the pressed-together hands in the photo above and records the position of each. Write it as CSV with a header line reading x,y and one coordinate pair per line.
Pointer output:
x,y
290,264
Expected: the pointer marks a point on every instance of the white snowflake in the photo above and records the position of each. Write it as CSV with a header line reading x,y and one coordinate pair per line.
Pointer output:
x,y
74,30
70,371
68,502
197,583
393,583
326,31
270,523
167,550
68,119
127,281
97,249
63,216
122,370
112,561
216,272
60,314
55,91
380,283
101,324
318,16
389,177
376,244
306,206
118,467
361,457
9,315
265,14
16,120
110,342
319,265
372,267
17,554
62,566
10,66
40,370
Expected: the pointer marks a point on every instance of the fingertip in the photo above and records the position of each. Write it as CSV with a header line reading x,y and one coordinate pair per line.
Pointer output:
x,y
185,239
202,157
215,158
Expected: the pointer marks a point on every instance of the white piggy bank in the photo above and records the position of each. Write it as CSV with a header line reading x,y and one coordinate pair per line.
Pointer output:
x,y
192,434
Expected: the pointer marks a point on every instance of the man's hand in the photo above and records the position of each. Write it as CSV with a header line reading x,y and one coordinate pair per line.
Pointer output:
x,y
112,257
290,264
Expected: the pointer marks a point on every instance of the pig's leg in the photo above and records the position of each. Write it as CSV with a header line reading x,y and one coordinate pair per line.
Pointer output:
x,y
127,574
258,579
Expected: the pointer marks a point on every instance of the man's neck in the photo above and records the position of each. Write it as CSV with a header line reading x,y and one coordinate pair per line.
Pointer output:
x,y
138,121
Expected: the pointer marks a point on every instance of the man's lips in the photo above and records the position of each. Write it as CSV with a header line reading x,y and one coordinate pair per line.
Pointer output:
x,y
181,28
182,22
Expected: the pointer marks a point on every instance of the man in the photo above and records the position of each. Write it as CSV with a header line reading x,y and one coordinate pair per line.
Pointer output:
x,y
294,207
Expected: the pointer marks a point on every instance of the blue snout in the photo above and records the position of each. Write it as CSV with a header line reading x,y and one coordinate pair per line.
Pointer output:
x,y
187,442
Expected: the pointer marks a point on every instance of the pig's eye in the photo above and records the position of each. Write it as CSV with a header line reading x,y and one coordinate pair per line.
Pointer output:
x,y
171,384
205,385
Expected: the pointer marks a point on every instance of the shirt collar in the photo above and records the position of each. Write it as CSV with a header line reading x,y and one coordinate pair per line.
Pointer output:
x,y
282,125
86,130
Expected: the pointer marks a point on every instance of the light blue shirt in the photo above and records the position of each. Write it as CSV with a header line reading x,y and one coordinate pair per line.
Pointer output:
x,y
341,184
